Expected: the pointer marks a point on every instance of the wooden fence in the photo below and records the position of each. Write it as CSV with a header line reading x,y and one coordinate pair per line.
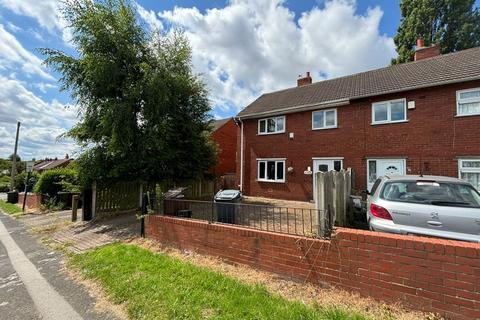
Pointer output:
x,y
112,199
333,189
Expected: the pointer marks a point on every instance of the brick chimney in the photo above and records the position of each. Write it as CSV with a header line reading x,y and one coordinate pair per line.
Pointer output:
x,y
422,52
304,80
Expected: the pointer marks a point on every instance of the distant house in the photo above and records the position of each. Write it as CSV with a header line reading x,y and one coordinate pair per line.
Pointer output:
x,y
224,133
48,164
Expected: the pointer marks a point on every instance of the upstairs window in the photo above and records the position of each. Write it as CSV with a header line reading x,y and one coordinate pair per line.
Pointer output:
x,y
468,102
389,111
271,125
324,119
271,170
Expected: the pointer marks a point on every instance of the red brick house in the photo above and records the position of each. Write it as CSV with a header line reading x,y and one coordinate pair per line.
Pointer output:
x,y
224,133
417,117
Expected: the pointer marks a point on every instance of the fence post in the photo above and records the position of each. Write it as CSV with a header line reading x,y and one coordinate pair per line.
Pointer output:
x,y
140,195
320,204
339,180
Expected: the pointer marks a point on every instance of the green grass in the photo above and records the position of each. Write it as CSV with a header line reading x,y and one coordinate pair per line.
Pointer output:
x,y
9,208
157,286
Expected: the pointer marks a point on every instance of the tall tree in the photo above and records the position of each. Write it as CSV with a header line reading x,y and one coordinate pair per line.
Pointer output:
x,y
453,24
143,113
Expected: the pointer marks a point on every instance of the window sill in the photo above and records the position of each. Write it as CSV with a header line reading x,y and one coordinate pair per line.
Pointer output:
x,y
270,133
466,115
326,128
270,181
391,122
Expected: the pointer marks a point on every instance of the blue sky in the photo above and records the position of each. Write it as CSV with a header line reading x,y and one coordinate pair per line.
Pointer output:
x,y
240,48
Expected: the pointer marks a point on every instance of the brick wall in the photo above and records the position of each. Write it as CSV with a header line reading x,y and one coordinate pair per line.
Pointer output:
x,y
226,139
33,200
427,274
431,141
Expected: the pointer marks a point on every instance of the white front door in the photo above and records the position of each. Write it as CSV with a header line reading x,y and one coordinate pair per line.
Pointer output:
x,y
325,165
381,167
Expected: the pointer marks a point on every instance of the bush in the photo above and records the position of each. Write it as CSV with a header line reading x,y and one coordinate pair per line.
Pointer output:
x,y
20,181
4,184
53,181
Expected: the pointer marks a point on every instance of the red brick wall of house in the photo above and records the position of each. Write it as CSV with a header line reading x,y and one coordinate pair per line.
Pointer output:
x,y
431,141
433,275
226,139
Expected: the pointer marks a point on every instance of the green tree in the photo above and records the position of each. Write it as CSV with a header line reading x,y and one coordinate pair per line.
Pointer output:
x,y
143,114
452,24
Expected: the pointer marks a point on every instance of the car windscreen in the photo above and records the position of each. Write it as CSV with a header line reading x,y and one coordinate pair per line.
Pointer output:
x,y
430,192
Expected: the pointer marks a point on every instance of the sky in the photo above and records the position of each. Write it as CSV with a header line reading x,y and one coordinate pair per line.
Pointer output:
x,y
240,48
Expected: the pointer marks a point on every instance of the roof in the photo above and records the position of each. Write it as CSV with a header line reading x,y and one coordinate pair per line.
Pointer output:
x,y
217,124
448,68
51,164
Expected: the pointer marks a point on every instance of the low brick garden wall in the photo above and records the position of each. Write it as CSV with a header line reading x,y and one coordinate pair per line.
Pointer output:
x,y
432,275
34,201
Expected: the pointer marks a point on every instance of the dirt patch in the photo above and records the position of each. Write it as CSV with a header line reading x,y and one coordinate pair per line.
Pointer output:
x,y
292,290
278,202
102,302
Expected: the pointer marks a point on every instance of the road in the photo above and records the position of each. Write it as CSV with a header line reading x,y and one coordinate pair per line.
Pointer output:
x,y
33,281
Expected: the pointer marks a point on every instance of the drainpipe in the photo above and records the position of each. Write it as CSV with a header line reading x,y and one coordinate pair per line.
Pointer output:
x,y
239,120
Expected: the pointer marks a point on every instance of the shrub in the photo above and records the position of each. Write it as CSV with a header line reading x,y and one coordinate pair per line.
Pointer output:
x,y
4,184
53,181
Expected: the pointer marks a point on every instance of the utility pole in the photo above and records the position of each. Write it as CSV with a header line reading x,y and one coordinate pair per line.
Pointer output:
x,y
14,160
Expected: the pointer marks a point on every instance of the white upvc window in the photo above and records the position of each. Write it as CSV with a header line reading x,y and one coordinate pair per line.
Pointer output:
x,y
324,119
271,125
468,102
389,111
271,170
469,170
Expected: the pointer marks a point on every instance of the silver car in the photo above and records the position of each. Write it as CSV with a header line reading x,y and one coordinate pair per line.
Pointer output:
x,y
425,205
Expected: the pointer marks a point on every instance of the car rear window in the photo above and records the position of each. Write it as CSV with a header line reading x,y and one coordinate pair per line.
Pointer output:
x,y
431,192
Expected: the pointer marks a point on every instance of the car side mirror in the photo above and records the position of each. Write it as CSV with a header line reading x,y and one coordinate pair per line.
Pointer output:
x,y
366,192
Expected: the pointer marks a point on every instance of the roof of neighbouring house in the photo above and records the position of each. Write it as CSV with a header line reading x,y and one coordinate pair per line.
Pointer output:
x,y
443,69
217,124
51,164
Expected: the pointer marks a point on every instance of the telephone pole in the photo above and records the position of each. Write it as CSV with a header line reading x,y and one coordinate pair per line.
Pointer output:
x,y
14,160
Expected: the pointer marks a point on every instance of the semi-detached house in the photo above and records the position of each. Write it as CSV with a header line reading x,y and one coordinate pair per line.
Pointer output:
x,y
421,117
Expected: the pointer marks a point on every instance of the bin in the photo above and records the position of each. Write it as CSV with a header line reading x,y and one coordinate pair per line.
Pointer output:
x,y
225,205
12,197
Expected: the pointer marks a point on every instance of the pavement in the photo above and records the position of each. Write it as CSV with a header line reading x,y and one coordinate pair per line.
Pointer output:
x,y
34,283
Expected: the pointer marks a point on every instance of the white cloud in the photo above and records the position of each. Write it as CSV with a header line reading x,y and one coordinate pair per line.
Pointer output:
x,y
250,47
14,55
45,12
150,17
41,122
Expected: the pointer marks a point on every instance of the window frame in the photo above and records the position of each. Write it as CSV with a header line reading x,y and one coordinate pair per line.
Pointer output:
x,y
458,101
266,125
325,127
266,160
389,111
467,170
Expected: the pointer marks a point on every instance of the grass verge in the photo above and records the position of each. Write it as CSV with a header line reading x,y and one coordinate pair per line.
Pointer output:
x,y
157,286
9,208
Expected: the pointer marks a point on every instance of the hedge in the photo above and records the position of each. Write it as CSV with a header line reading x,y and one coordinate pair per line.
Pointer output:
x,y
53,181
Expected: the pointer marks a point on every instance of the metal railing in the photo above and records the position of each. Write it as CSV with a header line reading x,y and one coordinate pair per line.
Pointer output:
x,y
289,220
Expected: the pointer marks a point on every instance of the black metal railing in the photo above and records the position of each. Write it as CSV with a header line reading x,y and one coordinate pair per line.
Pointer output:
x,y
289,220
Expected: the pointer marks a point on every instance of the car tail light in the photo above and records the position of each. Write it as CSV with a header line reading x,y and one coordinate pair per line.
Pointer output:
x,y
380,212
